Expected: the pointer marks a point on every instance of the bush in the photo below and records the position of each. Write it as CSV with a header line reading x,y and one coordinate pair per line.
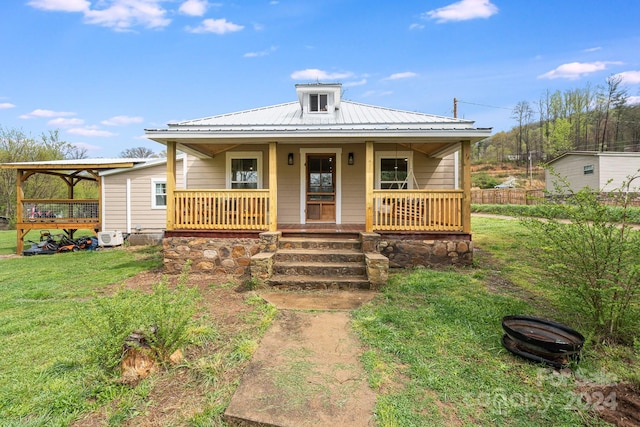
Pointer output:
x,y
165,317
596,255
484,180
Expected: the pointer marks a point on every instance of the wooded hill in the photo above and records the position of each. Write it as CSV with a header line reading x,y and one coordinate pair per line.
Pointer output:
x,y
586,119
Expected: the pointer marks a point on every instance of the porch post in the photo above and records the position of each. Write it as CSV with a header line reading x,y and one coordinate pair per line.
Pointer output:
x,y
466,186
368,182
19,212
171,184
273,186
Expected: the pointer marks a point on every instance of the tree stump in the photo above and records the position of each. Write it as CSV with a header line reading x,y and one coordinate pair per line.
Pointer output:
x,y
138,360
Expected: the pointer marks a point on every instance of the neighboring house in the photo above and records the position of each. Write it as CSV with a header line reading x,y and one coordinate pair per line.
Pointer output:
x,y
604,171
318,164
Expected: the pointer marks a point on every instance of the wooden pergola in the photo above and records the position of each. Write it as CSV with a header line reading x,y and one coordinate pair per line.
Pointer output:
x,y
68,214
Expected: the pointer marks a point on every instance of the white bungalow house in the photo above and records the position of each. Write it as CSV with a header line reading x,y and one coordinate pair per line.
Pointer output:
x,y
319,167
604,171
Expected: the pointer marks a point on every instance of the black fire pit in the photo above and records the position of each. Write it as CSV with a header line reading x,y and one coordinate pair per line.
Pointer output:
x,y
541,340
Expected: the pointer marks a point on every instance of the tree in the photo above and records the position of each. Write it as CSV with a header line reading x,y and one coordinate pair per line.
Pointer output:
x,y
15,146
595,255
138,153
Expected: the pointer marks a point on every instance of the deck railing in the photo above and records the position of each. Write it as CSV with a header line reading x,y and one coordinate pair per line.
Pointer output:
x,y
417,210
221,209
60,210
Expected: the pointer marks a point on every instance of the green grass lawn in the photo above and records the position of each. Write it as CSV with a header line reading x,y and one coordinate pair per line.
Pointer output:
x,y
431,338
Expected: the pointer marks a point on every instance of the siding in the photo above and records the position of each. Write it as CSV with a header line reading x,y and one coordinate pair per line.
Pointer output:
x,y
115,198
571,167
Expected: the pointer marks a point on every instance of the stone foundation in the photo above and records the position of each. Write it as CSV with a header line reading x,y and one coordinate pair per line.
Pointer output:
x,y
426,253
230,256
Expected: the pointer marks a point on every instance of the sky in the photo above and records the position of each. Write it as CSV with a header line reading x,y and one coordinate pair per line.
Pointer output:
x,y
101,71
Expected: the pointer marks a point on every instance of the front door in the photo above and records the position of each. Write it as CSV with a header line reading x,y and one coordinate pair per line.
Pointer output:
x,y
321,188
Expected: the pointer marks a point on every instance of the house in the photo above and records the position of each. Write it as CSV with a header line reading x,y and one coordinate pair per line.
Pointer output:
x,y
252,182
605,171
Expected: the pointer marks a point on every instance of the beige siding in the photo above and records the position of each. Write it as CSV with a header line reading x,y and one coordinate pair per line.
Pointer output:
x,y
353,191
289,185
571,167
140,193
618,169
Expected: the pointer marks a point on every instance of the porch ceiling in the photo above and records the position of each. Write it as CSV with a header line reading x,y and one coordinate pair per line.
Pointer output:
x,y
207,146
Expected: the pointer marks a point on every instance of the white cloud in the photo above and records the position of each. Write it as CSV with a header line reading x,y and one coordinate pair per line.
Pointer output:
x,y
315,74
593,49
91,131
463,10
194,7
40,113
416,26
261,53
371,93
356,83
122,120
633,100
61,5
630,77
216,26
122,15
6,105
576,70
65,123
404,75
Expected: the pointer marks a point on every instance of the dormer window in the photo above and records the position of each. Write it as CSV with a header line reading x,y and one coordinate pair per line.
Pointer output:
x,y
318,102
319,97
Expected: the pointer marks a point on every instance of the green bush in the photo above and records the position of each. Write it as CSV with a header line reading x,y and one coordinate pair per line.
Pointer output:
x,y
165,317
596,254
483,180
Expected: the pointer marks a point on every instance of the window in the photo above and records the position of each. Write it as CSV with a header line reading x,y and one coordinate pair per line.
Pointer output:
x,y
244,170
317,102
393,170
158,194
587,169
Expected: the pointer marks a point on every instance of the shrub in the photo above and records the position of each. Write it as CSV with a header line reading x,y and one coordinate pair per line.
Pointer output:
x,y
165,317
595,254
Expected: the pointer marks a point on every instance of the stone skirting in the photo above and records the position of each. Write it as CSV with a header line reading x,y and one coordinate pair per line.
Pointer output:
x,y
228,255
414,252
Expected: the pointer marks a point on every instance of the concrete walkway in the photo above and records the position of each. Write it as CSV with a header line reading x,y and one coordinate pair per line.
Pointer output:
x,y
306,370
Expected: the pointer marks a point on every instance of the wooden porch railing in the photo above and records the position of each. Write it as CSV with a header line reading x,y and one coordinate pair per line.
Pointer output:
x,y
60,210
417,210
221,209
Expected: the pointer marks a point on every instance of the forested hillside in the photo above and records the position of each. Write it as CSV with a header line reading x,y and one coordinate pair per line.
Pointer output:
x,y
590,118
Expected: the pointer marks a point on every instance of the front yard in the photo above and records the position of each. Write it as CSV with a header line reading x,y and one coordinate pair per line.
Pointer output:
x,y
431,344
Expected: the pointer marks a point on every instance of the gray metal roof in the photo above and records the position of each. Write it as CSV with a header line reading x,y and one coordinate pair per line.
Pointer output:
x,y
351,115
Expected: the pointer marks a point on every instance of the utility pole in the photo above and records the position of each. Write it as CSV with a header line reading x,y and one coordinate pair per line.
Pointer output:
x,y
455,108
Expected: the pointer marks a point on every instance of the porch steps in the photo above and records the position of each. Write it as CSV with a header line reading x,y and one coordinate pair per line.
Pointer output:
x,y
320,261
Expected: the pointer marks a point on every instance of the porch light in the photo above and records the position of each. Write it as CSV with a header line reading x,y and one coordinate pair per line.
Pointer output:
x,y
350,159
290,159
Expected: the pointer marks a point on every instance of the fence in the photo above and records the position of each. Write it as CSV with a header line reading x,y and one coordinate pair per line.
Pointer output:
x,y
506,196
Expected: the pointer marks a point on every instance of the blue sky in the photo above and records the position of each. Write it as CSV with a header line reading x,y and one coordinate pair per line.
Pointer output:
x,y
101,71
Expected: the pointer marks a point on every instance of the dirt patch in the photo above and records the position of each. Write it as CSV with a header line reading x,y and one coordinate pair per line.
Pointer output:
x,y
618,404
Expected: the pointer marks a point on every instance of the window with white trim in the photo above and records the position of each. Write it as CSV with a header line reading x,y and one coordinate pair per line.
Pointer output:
x,y
587,169
244,170
158,193
318,102
393,169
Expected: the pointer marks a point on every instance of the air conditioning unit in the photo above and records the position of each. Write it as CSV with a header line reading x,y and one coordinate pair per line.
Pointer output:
x,y
110,238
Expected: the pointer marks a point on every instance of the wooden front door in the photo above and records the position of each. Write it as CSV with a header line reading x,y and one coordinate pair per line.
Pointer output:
x,y
321,188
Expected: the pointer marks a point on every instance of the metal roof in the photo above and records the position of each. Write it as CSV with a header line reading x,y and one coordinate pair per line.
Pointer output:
x,y
351,115
104,163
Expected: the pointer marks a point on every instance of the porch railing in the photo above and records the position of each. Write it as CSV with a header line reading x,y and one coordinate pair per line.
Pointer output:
x,y
221,209
417,210
60,210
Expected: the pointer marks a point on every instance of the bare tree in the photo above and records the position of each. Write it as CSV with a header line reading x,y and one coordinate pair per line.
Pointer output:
x,y
138,153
